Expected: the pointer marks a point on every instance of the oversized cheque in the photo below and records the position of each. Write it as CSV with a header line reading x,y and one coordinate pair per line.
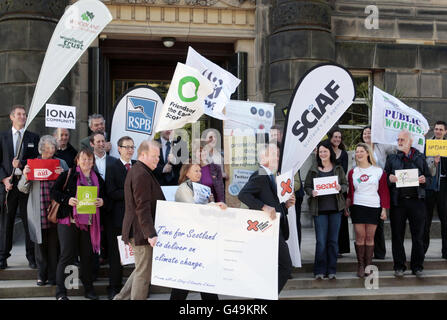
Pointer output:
x,y
203,248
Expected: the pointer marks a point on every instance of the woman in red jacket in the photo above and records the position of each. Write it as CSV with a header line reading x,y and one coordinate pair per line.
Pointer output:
x,y
368,199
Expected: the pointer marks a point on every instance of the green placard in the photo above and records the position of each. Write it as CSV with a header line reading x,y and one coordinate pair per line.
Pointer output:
x,y
86,200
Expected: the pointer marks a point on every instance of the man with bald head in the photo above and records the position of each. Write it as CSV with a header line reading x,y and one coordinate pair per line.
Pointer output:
x,y
407,203
141,192
64,150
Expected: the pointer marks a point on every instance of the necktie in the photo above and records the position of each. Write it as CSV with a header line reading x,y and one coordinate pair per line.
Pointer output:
x,y
127,165
19,135
168,150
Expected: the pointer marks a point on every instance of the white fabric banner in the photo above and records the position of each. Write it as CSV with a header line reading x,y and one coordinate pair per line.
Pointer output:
x,y
285,184
321,97
206,249
136,114
254,115
224,83
58,116
390,116
184,102
79,26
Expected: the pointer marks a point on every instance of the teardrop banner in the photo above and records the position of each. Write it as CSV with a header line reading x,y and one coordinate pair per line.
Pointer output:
x,y
136,114
320,98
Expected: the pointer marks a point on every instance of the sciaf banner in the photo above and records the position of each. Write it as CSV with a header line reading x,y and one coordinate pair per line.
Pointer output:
x,y
321,97
224,83
206,249
79,26
135,115
185,99
390,116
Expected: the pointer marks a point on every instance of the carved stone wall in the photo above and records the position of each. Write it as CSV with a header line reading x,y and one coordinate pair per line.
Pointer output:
x,y
44,8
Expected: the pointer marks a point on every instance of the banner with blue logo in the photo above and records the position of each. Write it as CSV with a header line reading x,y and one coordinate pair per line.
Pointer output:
x,y
135,116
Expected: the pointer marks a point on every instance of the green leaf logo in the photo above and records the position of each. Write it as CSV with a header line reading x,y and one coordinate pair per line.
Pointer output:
x,y
87,16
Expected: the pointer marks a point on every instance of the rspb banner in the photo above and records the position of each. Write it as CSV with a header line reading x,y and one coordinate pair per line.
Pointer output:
x,y
206,249
390,116
321,97
136,113
42,169
57,116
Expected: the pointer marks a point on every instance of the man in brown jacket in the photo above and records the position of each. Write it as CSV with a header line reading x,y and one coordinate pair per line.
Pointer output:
x,y
141,192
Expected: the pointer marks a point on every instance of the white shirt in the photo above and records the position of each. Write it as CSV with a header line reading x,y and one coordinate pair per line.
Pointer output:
x,y
101,165
124,162
15,137
366,186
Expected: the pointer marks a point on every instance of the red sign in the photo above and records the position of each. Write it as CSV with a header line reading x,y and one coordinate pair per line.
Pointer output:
x,y
43,169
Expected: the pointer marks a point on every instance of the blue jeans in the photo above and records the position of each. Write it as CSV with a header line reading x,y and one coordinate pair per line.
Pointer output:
x,y
327,227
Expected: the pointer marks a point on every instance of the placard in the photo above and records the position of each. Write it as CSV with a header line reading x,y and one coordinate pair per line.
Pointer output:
x,y
43,169
326,185
86,197
202,193
434,148
206,249
58,116
285,184
407,178
126,252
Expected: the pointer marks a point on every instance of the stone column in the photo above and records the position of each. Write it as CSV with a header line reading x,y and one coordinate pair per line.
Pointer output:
x,y
300,37
26,27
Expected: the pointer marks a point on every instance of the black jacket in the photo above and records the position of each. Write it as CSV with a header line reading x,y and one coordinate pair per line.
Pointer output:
x,y
259,191
115,178
396,162
170,178
63,196
68,155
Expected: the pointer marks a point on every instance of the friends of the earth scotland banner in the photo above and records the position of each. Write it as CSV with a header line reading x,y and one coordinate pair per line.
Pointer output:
x,y
321,97
77,29
185,100
136,114
390,116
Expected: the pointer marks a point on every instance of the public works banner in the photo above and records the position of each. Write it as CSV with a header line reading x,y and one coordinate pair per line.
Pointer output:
x,y
390,116
136,114
321,97
79,26
43,169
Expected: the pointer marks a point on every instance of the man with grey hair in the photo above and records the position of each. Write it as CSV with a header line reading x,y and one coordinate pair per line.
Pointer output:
x,y
259,193
97,124
141,192
407,203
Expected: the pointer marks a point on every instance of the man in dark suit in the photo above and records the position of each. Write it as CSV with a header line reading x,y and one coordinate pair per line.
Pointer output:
x,y
168,168
141,192
96,123
259,193
117,172
9,161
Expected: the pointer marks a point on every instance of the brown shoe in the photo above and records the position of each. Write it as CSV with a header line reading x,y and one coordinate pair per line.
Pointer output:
x,y
369,252
360,251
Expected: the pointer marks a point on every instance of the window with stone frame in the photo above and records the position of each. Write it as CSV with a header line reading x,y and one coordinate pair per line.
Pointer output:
x,y
358,114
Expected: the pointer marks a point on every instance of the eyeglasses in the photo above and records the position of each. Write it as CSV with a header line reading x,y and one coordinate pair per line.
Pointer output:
x,y
128,147
400,139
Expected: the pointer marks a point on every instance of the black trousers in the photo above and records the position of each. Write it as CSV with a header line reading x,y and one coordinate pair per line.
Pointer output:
x,y
379,241
179,294
343,236
116,269
298,203
438,199
16,200
284,262
70,237
414,211
47,254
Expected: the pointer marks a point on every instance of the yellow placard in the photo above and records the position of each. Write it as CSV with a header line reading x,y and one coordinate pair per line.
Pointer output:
x,y
436,147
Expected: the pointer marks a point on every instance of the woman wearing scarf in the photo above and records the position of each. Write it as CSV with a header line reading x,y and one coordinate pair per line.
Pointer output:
x,y
77,230
42,232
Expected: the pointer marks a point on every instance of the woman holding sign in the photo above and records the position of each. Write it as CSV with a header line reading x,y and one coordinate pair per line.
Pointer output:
x,y
76,228
325,184
190,175
369,197
42,232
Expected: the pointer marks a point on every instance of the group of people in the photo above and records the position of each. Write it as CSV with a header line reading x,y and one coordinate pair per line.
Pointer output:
x,y
128,191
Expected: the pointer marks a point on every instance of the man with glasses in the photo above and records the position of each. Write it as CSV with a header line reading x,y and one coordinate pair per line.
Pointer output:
x,y
116,208
407,203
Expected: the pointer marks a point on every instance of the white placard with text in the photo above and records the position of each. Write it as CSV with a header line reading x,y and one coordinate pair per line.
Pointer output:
x,y
326,185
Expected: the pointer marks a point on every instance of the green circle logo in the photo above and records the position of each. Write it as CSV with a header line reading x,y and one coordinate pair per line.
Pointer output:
x,y
184,81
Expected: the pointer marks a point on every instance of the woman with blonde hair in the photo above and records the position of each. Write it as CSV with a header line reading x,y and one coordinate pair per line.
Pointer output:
x,y
369,197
